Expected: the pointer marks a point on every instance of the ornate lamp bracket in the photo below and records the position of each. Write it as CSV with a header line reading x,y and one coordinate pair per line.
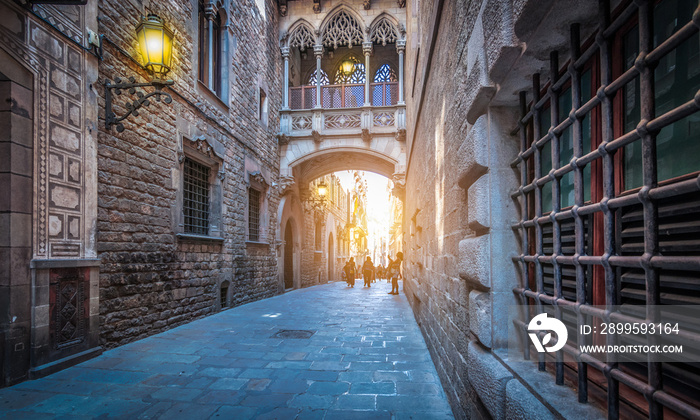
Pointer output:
x,y
132,107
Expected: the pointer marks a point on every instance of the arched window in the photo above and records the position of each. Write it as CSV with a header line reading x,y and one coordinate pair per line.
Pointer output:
x,y
324,78
385,74
358,76
210,55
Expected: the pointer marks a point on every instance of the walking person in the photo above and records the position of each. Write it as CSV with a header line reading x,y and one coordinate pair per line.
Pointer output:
x,y
350,272
367,271
395,273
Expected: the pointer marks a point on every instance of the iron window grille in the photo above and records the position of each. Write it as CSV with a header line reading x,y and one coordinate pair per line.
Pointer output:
x,y
196,197
254,215
604,220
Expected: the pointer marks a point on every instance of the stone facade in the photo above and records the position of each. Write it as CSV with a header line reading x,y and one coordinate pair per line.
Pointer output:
x,y
48,266
466,66
154,275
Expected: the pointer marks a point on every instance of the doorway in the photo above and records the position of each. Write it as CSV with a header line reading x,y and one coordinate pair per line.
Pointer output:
x,y
288,256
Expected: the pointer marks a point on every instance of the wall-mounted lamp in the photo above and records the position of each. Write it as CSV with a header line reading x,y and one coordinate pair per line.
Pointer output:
x,y
322,191
156,44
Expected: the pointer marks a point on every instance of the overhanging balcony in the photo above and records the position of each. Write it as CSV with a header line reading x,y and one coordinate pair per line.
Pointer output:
x,y
344,96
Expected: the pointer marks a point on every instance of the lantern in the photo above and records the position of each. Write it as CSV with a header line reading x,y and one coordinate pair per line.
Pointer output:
x,y
156,43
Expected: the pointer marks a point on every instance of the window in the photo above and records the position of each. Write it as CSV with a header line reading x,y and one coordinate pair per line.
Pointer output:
x,y
324,78
263,107
385,74
562,165
210,46
196,197
199,199
253,215
357,76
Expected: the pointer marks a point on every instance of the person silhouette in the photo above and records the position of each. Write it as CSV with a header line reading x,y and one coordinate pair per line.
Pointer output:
x,y
367,271
395,272
350,272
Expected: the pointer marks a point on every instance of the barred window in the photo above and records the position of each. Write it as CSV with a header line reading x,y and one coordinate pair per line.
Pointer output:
x,y
196,197
253,215
618,117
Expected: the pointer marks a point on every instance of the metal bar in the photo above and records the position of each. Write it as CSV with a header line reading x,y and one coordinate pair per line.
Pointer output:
x,y
650,210
579,232
613,395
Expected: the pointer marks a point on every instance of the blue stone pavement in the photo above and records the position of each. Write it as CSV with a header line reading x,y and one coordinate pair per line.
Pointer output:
x,y
366,360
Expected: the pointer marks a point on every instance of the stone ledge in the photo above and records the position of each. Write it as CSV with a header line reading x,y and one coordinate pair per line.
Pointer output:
x,y
198,238
489,378
45,264
560,400
521,404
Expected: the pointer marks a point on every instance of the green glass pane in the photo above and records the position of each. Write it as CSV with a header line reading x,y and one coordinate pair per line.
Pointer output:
x,y
586,95
546,167
677,79
631,113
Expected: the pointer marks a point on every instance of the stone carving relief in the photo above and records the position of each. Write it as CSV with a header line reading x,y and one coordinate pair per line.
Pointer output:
x,y
59,121
284,184
401,135
343,121
283,139
366,135
317,137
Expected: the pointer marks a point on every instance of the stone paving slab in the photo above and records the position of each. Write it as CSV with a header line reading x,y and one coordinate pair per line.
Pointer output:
x,y
366,359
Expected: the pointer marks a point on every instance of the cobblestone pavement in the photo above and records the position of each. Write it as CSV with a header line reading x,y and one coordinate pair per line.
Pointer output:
x,y
365,360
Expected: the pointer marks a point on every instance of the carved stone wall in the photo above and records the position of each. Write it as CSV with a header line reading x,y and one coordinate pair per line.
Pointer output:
x,y
53,137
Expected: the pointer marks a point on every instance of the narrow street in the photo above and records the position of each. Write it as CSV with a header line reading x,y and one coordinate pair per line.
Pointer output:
x,y
366,359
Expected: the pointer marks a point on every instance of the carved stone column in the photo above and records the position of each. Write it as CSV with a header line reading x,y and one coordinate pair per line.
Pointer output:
x,y
401,48
285,55
318,52
367,49
210,14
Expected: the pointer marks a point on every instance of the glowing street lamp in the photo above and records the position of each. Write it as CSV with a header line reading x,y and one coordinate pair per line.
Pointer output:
x,y
347,67
156,47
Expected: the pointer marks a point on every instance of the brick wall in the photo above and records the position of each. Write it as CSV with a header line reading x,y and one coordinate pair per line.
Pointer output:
x,y
151,279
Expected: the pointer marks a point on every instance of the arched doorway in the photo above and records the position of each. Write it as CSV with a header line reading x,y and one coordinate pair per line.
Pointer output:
x,y
288,256
331,257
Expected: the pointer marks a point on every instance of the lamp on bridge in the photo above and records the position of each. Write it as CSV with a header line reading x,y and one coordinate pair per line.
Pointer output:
x,y
347,67
156,47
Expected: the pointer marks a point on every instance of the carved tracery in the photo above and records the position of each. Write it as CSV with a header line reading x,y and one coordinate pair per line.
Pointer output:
x,y
384,32
342,30
302,37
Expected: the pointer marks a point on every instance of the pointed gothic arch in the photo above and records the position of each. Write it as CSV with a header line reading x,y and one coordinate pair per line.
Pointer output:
x,y
301,35
384,29
342,27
